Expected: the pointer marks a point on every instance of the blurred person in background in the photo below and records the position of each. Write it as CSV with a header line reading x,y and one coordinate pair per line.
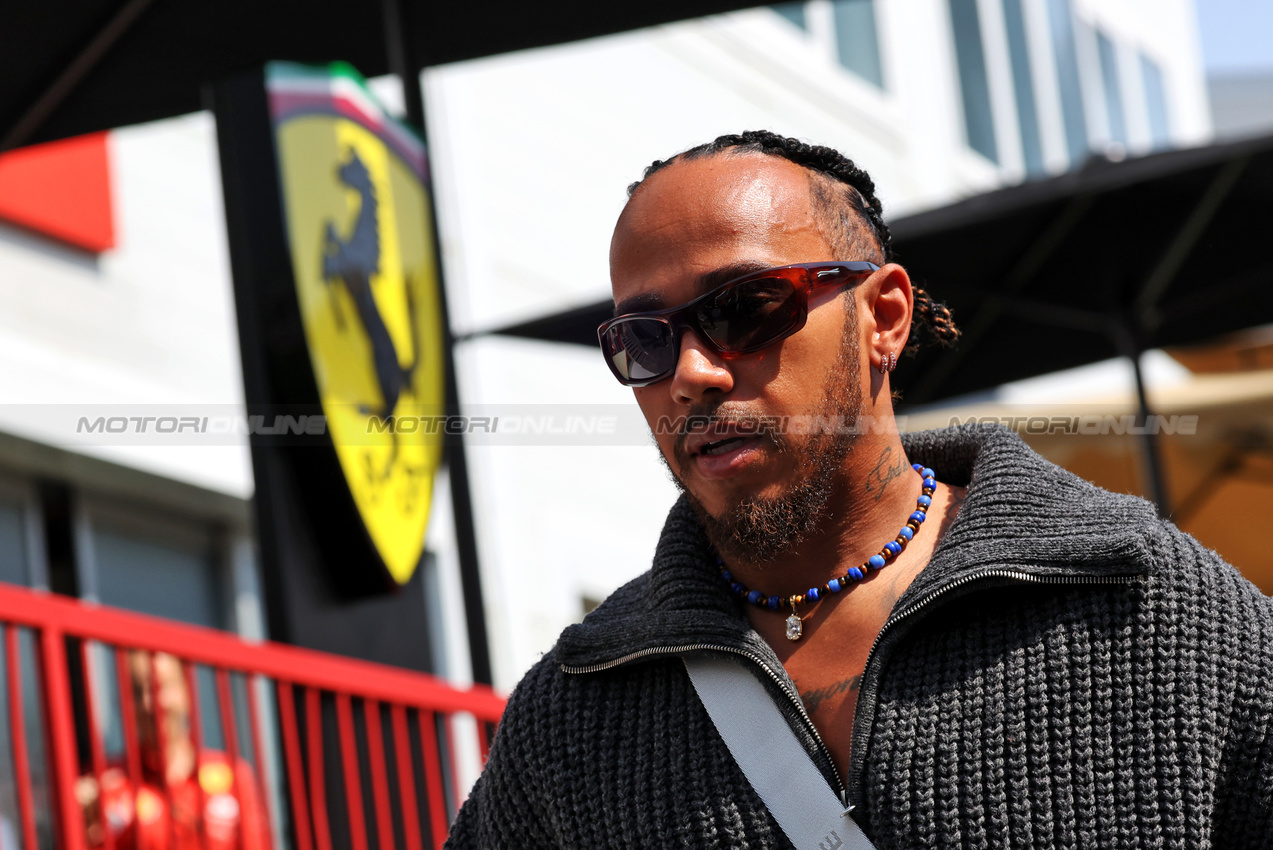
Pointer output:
x,y
164,812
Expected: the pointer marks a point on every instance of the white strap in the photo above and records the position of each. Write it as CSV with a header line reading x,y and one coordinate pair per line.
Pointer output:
x,y
774,761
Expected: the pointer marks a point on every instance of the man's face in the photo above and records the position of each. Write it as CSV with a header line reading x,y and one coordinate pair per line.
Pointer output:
x,y
689,228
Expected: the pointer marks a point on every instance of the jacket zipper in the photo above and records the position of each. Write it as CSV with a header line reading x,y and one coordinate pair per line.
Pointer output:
x,y
793,698
861,732
869,690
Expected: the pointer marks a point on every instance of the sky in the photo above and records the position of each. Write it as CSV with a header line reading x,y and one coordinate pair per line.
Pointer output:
x,y
1237,36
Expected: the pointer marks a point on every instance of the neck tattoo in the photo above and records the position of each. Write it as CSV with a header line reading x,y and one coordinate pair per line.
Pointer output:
x,y
893,548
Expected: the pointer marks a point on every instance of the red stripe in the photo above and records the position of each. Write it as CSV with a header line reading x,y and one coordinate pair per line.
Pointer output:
x,y
128,714
61,731
406,778
231,736
17,728
434,789
317,794
353,776
258,751
295,771
96,750
379,782
196,737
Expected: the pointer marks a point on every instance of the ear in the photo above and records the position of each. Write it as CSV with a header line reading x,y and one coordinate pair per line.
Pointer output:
x,y
888,305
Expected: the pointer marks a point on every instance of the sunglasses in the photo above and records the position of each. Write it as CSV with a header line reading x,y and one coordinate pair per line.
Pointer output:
x,y
744,315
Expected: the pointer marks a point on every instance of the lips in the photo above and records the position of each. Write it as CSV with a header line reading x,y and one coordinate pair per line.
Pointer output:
x,y
722,449
717,439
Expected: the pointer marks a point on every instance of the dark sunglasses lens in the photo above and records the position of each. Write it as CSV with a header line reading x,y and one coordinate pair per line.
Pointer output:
x,y
641,349
750,314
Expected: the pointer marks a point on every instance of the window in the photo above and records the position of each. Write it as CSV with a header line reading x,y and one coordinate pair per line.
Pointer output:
x,y
1067,74
1156,102
1023,87
793,12
1113,91
857,39
973,84
13,548
165,568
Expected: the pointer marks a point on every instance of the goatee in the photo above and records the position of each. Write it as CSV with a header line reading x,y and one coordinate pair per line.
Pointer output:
x,y
757,530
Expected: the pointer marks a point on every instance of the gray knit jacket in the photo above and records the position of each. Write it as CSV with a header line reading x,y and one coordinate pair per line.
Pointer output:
x,y
1067,671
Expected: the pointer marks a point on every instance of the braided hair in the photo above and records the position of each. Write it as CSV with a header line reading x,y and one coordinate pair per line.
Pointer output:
x,y
843,198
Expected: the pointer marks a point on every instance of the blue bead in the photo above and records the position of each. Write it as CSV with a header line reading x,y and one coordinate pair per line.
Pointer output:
x,y
925,500
917,466
773,602
856,573
928,473
834,584
725,574
917,517
875,561
814,594
930,483
906,532
755,596
894,547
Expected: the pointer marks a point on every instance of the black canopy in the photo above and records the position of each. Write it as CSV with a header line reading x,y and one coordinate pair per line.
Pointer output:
x,y
75,66
1111,259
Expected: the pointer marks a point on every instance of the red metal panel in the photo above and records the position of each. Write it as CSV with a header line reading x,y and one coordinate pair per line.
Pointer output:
x,y
61,730
353,776
295,772
434,788
196,736
96,749
230,734
54,618
128,715
17,729
406,778
379,782
262,762
317,794
219,649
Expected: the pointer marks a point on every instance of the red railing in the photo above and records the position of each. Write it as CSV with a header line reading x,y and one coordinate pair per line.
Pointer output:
x,y
340,722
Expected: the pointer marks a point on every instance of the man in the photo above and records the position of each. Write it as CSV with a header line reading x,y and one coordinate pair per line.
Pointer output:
x,y
1002,656
188,797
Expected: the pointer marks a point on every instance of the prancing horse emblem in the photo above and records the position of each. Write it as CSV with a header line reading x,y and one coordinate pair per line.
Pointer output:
x,y
353,262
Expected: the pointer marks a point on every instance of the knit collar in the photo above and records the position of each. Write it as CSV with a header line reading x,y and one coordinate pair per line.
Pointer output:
x,y
1021,513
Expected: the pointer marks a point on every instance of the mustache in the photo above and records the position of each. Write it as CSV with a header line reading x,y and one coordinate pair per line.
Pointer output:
x,y
741,420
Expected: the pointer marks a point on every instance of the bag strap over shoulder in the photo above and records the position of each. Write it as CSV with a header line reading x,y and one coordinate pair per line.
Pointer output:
x,y
781,772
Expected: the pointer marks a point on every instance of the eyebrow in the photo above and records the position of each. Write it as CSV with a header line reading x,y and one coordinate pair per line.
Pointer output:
x,y
705,282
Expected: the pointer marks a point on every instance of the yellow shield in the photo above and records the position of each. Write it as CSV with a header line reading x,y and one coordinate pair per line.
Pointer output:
x,y
365,269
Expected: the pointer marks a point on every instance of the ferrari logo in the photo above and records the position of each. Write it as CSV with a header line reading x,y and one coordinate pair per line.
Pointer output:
x,y
364,263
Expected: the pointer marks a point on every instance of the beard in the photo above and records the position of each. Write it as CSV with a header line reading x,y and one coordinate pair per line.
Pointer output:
x,y
758,530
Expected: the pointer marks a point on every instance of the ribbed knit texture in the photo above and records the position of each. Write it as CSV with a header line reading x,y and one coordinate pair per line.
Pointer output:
x,y
1005,713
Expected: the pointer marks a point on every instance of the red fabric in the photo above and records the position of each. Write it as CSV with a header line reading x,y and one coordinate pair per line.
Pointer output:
x,y
61,189
151,820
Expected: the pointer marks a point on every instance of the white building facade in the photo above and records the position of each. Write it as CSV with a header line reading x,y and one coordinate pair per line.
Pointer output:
x,y
937,99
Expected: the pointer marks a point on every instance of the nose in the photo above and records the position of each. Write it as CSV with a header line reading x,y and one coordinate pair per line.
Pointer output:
x,y
700,371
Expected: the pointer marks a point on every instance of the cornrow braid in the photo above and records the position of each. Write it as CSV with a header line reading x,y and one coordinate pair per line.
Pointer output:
x,y
849,211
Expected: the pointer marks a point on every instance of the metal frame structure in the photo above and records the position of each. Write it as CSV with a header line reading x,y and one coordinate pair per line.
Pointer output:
x,y
65,627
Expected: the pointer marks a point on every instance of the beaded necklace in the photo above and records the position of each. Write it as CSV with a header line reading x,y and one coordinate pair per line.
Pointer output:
x,y
893,548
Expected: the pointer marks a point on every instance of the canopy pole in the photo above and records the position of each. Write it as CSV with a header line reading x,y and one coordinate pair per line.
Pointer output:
x,y
1151,457
73,73
407,66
